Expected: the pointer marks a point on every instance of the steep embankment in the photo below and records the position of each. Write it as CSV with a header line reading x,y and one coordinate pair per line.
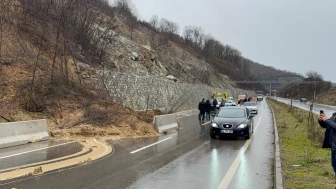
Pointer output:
x,y
33,86
77,66
327,97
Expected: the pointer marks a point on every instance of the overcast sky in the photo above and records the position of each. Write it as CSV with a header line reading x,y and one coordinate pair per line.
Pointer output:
x,y
295,35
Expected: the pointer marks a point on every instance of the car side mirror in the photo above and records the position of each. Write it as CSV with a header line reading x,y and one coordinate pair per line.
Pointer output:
x,y
251,116
213,115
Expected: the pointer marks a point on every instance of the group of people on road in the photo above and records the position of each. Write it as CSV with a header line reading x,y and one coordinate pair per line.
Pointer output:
x,y
215,103
205,109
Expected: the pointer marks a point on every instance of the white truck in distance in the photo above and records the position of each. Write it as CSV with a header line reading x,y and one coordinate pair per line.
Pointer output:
x,y
260,95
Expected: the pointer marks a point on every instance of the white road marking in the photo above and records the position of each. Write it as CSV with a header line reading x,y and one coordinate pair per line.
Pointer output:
x,y
229,175
36,150
206,123
135,151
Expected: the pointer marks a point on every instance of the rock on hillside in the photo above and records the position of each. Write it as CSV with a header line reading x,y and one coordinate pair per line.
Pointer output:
x,y
166,58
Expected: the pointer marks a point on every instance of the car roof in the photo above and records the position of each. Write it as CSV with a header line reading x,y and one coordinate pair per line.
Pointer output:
x,y
235,107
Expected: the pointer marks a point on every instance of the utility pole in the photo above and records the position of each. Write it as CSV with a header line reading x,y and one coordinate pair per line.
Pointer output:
x,y
270,89
314,92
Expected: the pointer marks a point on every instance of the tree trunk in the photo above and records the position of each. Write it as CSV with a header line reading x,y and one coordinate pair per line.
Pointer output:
x,y
55,55
33,80
1,35
1,26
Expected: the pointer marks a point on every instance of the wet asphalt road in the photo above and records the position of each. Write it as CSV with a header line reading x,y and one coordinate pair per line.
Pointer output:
x,y
188,158
36,152
329,110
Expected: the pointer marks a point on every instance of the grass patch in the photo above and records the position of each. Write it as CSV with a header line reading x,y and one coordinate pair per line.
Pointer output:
x,y
304,163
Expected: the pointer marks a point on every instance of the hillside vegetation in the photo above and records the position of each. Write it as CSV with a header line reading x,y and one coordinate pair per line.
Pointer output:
x,y
54,56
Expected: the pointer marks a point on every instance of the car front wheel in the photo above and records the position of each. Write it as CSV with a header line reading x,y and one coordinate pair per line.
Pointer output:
x,y
250,133
213,136
248,136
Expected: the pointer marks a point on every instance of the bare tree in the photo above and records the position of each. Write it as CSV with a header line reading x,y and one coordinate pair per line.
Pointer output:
x,y
43,10
154,21
231,54
198,34
169,27
3,12
209,45
125,6
132,23
187,34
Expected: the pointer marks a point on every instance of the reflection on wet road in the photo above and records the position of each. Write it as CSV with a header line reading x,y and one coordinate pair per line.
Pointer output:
x,y
36,152
208,164
188,158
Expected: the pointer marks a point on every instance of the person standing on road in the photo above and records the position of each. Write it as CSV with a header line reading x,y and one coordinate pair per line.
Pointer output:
x,y
245,99
215,103
329,136
222,103
201,108
207,108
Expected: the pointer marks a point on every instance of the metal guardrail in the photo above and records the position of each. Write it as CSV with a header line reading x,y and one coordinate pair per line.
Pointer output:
x,y
277,82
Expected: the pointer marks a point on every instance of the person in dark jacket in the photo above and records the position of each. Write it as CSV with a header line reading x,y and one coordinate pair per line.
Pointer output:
x,y
330,135
201,108
215,103
222,104
207,109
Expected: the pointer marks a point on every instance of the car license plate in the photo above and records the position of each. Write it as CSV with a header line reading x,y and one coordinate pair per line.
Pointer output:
x,y
227,131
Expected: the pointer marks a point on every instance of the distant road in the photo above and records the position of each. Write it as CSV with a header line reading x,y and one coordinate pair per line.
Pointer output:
x,y
329,110
186,159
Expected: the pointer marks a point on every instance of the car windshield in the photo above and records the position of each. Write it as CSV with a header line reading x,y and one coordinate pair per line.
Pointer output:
x,y
231,113
250,104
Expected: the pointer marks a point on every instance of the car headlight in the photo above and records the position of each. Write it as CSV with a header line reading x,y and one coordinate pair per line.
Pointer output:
x,y
214,125
242,125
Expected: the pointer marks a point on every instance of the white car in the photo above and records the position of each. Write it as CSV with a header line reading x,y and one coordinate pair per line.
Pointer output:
x,y
230,103
252,107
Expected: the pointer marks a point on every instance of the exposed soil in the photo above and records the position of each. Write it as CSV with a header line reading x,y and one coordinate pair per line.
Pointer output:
x,y
72,112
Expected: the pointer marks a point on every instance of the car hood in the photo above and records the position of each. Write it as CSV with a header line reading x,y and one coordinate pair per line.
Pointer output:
x,y
234,121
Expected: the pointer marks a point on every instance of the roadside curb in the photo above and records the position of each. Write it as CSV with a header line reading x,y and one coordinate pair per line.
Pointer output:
x,y
92,151
278,183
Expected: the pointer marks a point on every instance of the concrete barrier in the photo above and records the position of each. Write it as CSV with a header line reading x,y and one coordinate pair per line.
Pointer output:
x,y
24,132
164,123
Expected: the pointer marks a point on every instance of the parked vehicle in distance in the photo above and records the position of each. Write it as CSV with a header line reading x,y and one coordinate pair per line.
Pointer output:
x,y
230,103
303,100
260,95
241,98
252,107
232,121
230,98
